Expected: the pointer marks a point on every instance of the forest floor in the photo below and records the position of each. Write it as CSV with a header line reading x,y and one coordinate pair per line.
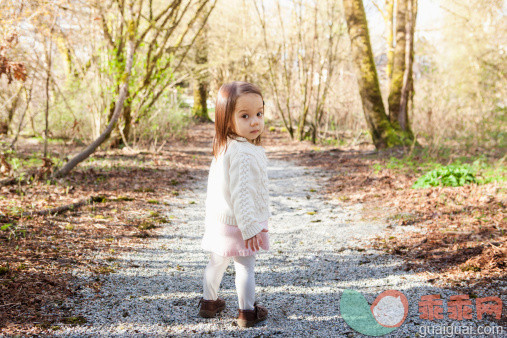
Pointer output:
x,y
455,237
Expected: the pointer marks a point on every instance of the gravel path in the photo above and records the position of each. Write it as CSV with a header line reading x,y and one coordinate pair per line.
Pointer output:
x,y
316,253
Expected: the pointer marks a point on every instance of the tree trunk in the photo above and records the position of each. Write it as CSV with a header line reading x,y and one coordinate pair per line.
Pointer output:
x,y
201,82
409,59
5,126
127,118
114,135
382,133
399,66
48,78
389,38
28,99
117,111
300,132
200,108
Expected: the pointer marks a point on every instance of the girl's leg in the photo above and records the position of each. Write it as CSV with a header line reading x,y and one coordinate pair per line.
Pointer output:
x,y
245,281
213,275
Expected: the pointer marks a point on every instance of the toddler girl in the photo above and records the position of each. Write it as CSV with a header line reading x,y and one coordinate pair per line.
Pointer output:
x,y
237,200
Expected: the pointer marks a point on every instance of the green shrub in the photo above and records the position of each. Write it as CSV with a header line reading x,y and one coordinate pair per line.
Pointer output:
x,y
450,176
168,122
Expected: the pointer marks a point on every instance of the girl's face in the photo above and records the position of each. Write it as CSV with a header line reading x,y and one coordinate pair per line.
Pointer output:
x,y
248,117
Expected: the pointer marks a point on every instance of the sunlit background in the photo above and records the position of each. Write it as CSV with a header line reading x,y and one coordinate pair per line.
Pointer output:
x,y
74,53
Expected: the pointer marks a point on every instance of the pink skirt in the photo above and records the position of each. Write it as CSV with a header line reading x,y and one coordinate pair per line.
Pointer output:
x,y
226,240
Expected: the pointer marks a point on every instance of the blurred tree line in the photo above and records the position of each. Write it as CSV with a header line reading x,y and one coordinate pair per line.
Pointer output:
x,y
313,59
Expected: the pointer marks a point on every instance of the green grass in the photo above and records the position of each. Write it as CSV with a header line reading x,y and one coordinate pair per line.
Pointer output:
x,y
333,142
35,160
407,164
55,140
445,169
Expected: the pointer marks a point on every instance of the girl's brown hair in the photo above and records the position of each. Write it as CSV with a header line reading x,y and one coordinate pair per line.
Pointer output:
x,y
227,96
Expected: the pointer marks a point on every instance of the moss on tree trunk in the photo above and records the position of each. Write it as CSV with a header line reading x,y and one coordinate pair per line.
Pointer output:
x,y
200,108
382,132
398,70
401,79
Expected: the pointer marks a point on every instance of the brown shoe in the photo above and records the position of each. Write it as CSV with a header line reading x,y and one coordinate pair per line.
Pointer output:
x,y
247,318
210,308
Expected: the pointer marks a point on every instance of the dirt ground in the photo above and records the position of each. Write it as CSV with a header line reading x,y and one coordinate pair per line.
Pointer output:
x,y
465,242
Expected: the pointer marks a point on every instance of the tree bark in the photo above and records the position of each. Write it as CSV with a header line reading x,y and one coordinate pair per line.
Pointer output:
x,y
114,135
28,99
117,111
382,133
127,120
48,78
389,38
200,108
201,82
399,65
5,126
409,59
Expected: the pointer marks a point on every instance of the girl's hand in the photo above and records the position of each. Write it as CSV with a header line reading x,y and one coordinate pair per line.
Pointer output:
x,y
255,241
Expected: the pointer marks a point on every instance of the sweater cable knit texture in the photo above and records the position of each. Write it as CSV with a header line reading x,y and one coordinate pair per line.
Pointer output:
x,y
238,188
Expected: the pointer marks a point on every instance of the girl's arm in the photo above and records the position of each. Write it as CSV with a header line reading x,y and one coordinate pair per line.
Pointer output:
x,y
243,170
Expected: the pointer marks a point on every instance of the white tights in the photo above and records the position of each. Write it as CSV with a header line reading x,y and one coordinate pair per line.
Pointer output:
x,y
245,279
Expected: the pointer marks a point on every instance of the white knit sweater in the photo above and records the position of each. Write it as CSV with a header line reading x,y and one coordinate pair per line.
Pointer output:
x,y
238,187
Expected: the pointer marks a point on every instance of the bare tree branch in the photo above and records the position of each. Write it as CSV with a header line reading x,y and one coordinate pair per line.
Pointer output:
x,y
118,109
379,9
